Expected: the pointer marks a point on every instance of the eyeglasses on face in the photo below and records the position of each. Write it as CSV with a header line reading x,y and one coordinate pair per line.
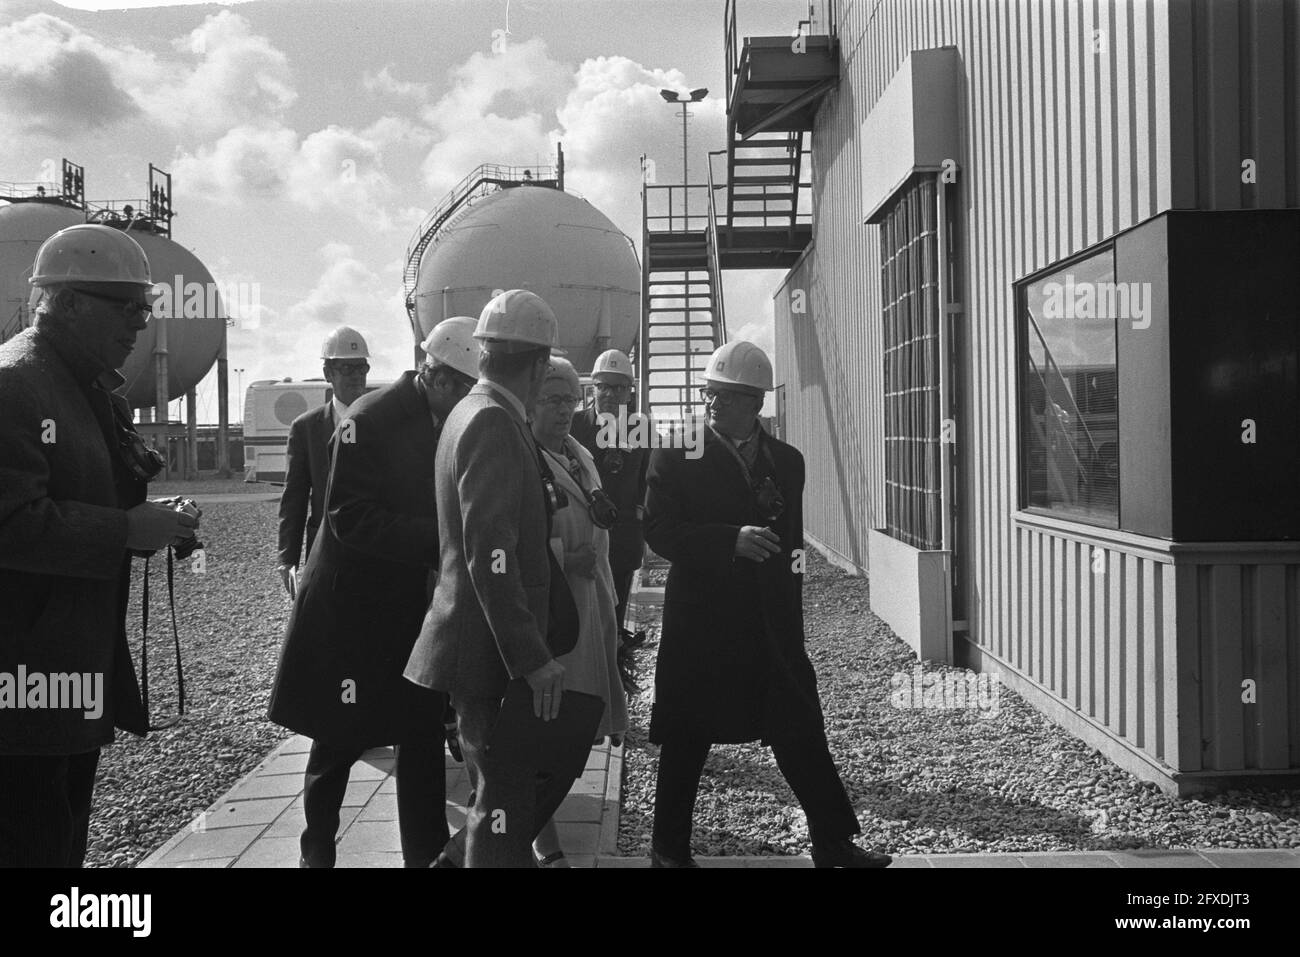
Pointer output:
x,y
715,397
604,387
130,307
350,368
560,401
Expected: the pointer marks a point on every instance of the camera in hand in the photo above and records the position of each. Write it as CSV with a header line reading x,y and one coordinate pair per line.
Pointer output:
x,y
190,545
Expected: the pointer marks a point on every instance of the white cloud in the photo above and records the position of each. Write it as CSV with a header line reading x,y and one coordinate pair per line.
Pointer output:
x,y
348,292
58,80
383,82
240,78
333,167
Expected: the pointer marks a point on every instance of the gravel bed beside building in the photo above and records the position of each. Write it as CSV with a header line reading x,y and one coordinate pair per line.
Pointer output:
x,y
998,778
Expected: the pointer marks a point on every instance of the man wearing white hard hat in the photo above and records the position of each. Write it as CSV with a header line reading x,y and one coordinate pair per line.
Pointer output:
x,y
622,475
732,666
362,597
346,362
73,478
493,629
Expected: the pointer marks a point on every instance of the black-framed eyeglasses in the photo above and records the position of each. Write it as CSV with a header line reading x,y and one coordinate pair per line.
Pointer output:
x,y
604,387
558,402
350,368
130,307
714,397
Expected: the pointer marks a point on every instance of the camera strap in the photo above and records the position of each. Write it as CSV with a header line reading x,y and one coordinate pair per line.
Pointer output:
x,y
144,646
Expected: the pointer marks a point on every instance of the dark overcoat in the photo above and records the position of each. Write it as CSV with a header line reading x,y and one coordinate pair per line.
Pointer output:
x,y
307,466
364,590
64,567
488,618
626,488
732,665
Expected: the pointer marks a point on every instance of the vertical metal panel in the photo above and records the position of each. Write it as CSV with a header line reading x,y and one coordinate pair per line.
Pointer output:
x,y
1153,626
1114,639
1221,665
1169,746
1268,119
1131,636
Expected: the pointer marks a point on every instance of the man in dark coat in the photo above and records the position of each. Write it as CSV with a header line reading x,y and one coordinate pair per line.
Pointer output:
x,y
622,471
363,594
302,503
732,665
70,509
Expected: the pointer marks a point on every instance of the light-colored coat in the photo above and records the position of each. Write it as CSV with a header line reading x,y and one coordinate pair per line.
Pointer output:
x,y
592,666
487,621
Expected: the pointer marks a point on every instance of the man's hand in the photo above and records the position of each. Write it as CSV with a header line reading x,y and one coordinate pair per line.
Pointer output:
x,y
547,683
756,543
288,576
151,526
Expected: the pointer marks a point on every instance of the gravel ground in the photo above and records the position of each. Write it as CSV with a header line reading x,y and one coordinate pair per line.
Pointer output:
x,y
928,781
197,488
231,622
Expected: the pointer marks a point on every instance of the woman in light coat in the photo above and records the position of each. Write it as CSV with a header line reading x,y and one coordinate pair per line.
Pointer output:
x,y
581,546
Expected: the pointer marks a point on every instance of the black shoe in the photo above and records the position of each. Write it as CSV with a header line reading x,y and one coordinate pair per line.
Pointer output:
x,y
662,860
845,853
631,639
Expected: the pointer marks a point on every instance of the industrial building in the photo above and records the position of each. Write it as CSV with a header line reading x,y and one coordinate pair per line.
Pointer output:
x,y
1037,342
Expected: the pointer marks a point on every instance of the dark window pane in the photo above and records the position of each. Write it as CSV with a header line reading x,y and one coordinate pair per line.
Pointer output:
x,y
1069,402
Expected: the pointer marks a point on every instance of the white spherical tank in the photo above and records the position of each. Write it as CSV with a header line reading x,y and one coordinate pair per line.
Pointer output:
x,y
197,315
549,242
23,227
195,323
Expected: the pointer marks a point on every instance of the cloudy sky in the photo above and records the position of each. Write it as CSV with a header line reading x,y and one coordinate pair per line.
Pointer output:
x,y
307,139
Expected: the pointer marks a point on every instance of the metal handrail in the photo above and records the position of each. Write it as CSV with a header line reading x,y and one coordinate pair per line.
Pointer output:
x,y
720,319
480,181
1051,359
729,46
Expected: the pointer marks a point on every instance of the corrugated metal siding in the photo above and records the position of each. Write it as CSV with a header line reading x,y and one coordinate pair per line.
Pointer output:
x,y
1082,118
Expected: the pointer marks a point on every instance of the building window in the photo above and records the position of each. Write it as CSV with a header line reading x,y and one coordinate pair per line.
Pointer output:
x,y
1069,390
909,252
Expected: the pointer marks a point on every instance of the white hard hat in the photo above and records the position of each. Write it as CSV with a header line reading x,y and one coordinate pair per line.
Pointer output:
x,y
515,321
740,363
344,343
451,342
613,366
90,253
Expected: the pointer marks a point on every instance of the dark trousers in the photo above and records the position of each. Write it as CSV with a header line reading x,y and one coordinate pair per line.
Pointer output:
x,y
511,804
806,763
421,798
622,589
45,809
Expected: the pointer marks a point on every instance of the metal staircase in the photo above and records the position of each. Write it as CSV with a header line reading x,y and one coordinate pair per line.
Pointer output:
x,y
763,220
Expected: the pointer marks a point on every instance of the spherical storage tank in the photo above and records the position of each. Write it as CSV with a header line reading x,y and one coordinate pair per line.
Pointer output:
x,y
549,242
193,334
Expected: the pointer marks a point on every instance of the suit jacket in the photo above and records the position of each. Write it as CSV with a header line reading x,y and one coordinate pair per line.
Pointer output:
x,y
363,591
304,481
732,665
487,622
64,567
